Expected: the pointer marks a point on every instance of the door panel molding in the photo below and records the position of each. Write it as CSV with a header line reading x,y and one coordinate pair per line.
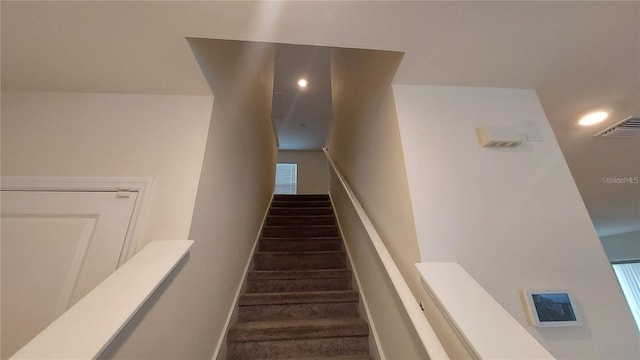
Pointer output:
x,y
142,186
74,270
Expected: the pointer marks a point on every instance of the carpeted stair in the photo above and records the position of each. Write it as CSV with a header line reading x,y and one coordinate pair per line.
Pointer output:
x,y
299,301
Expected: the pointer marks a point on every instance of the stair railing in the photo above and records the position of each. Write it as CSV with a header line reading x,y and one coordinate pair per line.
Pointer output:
x,y
423,328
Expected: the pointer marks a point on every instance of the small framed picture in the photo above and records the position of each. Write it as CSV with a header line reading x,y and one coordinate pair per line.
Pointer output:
x,y
551,308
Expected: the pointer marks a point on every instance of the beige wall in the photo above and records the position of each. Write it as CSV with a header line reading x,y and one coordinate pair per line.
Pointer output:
x,y
393,329
513,218
113,135
313,175
188,317
365,144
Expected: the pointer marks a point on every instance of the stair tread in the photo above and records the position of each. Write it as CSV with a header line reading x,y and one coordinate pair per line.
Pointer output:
x,y
309,239
303,208
299,324
260,282
298,329
301,204
300,239
347,357
300,244
300,260
277,197
300,231
303,216
300,252
300,226
300,211
306,297
300,220
298,274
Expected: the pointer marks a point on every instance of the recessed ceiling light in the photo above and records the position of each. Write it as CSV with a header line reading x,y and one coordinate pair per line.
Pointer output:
x,y
593,118
302,83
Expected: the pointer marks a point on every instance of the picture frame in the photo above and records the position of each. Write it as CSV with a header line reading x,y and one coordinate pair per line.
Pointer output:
x,y
551,308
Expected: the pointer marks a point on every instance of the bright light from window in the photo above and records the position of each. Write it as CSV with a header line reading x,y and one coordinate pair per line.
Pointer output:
x,y
629,277
593,118
302,83
286,178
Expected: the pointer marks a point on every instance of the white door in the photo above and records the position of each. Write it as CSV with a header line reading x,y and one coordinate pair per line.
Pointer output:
x,y
56,247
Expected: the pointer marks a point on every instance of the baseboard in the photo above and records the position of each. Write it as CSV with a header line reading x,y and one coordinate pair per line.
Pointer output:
x,y
219,352
378,354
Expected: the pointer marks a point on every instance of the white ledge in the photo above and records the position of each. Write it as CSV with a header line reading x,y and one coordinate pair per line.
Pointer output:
x,y
85,330
486,327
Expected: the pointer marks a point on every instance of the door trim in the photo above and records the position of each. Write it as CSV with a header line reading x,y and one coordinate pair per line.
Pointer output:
x,y
94,184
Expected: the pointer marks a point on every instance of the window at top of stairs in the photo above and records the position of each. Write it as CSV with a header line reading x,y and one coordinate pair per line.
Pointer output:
x,y
286,178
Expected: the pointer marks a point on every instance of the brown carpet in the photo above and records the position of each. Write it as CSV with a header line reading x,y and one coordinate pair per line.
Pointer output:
x,y
299,301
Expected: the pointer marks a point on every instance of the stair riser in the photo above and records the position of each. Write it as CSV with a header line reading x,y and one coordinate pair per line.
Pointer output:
x,y
301,204
299,348
298,285
298,261
294,244
297,311
313,297
300,211
300,220
296,274
297,232
310,197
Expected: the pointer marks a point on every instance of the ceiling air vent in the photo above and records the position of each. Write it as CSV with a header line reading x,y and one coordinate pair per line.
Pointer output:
x,y
625,128
495,136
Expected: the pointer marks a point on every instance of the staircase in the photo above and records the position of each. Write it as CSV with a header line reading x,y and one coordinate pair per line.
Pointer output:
x,y
299,300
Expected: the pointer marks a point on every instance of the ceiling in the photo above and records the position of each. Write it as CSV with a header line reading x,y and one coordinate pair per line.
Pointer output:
x,y
578,56
301,115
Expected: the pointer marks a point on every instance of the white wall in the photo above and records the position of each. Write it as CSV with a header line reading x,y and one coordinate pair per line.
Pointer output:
x,y
365,145
113,135
512,218
313,173
187,318
622,247
388,318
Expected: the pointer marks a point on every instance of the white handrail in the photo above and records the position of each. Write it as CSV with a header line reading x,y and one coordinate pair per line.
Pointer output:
x,y
85,330
423,328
